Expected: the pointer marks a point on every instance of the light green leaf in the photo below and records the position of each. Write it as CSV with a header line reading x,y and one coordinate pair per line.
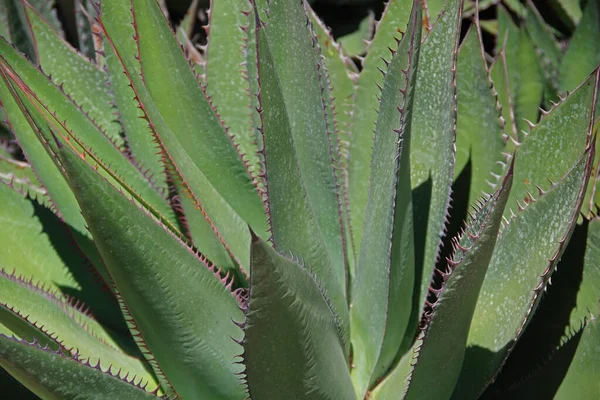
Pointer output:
x,y
21,177
499,75
382,293
479,133
520,268
448,320
52,375
364,115
83,81
189,344
295,224
583,55
290,329
355,43
432,152
32,313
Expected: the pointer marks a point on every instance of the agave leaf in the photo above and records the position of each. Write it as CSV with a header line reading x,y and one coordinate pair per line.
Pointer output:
x,y
583,55
395,383
32,313
499,75
364,114
213,216
447,327
546,47
552,147
21,177
18,29
227,77
434,7
139,138
51,374
83,81
508,34
295,224
290,328
520,268
432,152
356,43
86,38
568,11
51,256
479,130
341,89
193,120
61,111
382,294
191,357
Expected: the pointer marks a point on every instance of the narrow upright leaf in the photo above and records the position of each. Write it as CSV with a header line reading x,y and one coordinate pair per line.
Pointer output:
x,y
382,293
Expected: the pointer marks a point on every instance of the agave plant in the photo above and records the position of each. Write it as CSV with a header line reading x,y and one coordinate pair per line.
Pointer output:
x,y
260,218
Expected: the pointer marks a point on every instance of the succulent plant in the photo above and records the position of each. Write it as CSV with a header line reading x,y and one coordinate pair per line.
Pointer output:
x,y
264,217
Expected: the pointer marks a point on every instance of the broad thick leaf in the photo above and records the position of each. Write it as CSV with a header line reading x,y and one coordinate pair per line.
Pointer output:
x,y
226,72
499,75
32,313
520,268
290,330
479,133
83,81
165,290
583,55
382,292
432,152
295,224
447,327
552,147
221,223
364,115
37,244
190,116
52,375
300,151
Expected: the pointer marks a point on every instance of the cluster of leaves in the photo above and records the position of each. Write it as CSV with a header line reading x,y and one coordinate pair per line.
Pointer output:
x,y
275,214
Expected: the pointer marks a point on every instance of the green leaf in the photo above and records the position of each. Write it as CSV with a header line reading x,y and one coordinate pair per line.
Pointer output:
x,y
164,293
356,43
190,116
568,11
479,131
396,381
84,14
340,71
83,81
139,138
448,319
583,55
499,75
32,313
528,81
227,76
522,264
33,230
382,293
52,375
296,224
432,152
290,329
21,177
220,223
552,147
364,114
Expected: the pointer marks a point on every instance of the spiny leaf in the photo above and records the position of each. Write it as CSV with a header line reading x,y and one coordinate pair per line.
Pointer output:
x,y
479,129
301,148
163,293
499,75
446,328
382,294
52,375
434,134
364,115
290,328
520,268
53,320
83,81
